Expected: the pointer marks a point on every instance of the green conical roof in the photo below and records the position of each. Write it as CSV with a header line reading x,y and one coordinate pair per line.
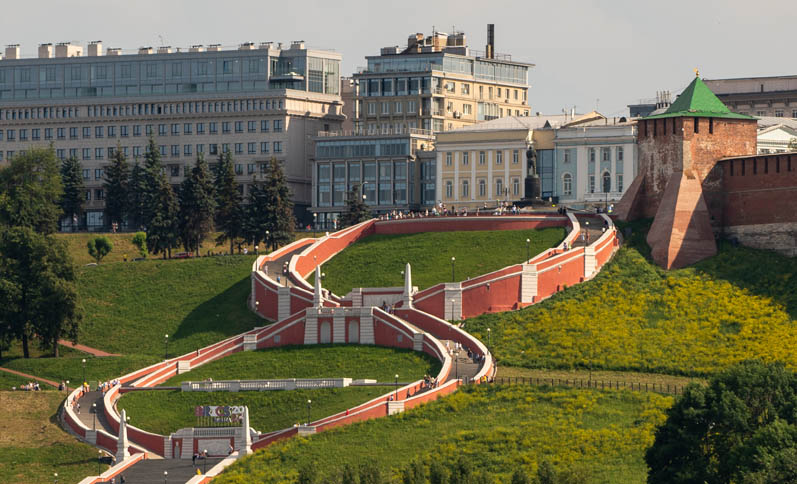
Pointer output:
x,y
697,100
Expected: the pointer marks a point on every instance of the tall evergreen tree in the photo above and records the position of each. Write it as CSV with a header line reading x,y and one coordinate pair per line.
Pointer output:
x,y
356,209
135,196
151,182
116,185
197,206
277,196
229,214
163,231
74,191
257,220
30,191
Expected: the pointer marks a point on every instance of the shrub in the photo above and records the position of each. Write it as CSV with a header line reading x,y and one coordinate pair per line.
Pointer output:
x,y
99,247
140,241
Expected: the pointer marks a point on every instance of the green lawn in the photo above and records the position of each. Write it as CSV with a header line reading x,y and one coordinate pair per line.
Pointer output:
x,y
165,411
32,445
600,435
320,361
9,381
737,305
71,368
379,260
130,307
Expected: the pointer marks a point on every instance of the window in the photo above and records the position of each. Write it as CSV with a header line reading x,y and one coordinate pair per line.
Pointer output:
x,y
98,132
86,153
60,133
98,174
482,188
99,194
277,125
482,157
465,188
607,182
567,184
499,187
250,148
264,125
499,157
620,183
23,135
239,148
112,131
592,155
174,170
137,130
449,189
175,129
213,127
200,148
73,153
277,147
606,154
98,153
385,108
778,113
250,168
86,132
619,153
251,126
464,157
467,108
72,133
697,125
175,150
239,126
499,92
187,150
264,147
465,89
448,158
88,195
187,128
59,153
592,183
161,130
451,86
239,169
397,107
412,106
214,149
225,127
515,157
162,150
35,134
515,186
794,113
566,156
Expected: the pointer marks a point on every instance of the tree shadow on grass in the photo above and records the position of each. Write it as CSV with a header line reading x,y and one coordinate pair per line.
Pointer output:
x,y
225,314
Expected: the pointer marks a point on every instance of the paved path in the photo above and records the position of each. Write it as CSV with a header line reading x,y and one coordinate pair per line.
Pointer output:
x,y
19,373
87,414
85,349
274,268
594,228
150,471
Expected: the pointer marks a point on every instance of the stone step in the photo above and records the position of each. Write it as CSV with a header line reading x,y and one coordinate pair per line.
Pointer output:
x,y
150,471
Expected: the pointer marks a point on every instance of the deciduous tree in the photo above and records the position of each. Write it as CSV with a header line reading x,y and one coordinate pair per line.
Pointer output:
x,y
99,247
30,191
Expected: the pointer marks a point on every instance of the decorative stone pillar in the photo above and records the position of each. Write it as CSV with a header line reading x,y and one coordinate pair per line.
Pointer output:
x,y
121,444
244,444
318,295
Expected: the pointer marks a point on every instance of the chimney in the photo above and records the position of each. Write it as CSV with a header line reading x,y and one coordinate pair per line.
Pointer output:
x,y
247,46
65,49
264,45
197,48
490,50
114,51
144,50
214,48
12,51
95,48
165,49
45,51
297,44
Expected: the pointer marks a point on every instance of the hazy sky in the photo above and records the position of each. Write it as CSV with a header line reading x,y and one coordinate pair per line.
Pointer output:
x,y
587,53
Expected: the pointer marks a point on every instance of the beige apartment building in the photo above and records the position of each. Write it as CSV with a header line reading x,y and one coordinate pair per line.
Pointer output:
x,y
257,102
438,83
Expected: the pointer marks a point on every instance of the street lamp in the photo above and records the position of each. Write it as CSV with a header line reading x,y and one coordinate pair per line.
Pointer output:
x,y
453,261
67,387
396,398
267,241
94,407
55,478
205,461
315,222
165,476
528,249
308,411
489,339
452,309
99,457
84,371
166,347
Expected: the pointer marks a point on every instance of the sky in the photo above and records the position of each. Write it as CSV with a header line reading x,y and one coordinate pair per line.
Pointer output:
x,y
589,55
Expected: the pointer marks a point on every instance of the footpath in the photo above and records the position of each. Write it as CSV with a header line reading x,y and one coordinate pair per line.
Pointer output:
x,y
30,377
85,349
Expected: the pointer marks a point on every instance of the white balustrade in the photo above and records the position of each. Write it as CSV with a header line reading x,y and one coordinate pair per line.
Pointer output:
x,y
264,385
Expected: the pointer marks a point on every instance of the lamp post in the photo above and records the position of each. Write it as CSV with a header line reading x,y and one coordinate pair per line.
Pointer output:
x,y
528,249
99,458
55,478
489,339
67,387
94,407
315,222
205,461
165,476
452,309
396,397
267,241
308,411
84,370
456,366
453,275
166,347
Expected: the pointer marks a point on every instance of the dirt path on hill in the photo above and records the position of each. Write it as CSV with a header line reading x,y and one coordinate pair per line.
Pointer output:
x,y
85,349
32,377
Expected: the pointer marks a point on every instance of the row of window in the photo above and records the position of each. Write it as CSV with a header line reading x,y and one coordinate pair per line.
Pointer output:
x,y
606,185
500,189
778,113
252,148
175,129
498,157
411,86
141,109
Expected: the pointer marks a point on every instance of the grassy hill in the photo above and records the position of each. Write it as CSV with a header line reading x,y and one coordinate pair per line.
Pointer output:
x,y
32,445
379,260
599,435
737,305
317,361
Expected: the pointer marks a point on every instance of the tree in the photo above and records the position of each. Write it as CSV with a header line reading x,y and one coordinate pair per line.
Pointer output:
x,y
135,196
99,247
740,425
38,293
116,185
150,185
74,191
140,241
196,206
356,209
163,232
277,197
30,191
229,214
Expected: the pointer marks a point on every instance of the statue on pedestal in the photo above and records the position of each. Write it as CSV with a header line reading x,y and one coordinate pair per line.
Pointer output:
x,y
533,187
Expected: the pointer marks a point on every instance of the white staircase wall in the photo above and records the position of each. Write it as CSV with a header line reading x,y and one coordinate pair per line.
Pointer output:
x,y
528,283
367,327
453,310
338,326
311,327
283,302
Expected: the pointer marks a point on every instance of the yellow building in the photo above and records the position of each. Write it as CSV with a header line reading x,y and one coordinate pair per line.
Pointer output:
x,y
438,83
486,164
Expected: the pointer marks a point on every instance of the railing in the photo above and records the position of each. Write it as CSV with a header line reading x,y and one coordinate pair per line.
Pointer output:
x,y
668,388
363,132
264,385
